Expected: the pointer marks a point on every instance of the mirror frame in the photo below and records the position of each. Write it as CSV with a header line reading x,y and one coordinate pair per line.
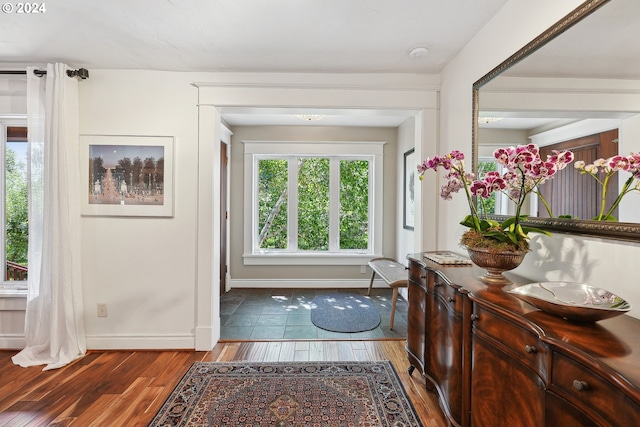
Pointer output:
x,y
610,230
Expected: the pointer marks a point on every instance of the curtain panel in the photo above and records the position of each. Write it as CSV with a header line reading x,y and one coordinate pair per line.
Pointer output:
x,y
54,328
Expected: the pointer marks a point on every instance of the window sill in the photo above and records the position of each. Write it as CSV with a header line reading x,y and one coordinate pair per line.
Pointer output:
x,y
12,292
308,259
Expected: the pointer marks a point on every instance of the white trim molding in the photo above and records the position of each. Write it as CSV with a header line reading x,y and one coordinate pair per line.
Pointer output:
x,y
307,283
12,341
374,150
140,342
392,91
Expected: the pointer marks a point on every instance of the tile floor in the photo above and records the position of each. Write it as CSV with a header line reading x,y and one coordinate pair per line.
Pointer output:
x,y
259,314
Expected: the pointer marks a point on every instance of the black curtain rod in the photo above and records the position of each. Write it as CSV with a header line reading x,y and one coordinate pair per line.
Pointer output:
x,y
81,73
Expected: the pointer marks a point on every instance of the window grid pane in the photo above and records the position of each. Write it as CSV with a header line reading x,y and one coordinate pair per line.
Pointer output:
x,y
354,204
16,199
313,204
272,204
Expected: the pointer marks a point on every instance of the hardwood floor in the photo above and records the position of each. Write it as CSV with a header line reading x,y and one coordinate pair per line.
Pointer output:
x,y
126,388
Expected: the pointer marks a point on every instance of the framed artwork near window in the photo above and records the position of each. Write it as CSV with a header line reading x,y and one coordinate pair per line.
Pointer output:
x,y
410,172
126,175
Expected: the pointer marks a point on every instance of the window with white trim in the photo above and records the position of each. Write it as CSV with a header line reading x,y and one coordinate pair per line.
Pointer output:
x,y
14,193
312,202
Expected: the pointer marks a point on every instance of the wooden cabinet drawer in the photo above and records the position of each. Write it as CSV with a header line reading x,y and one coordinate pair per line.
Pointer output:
x,y
521,343
592,392
443,290
446,294
417,274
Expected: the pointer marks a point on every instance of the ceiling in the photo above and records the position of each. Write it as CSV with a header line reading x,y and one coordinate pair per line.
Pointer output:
x,y
296,36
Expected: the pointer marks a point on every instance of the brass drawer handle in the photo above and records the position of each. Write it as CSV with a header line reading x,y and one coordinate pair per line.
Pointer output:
x,y
450,299
474,317
580,385
530,349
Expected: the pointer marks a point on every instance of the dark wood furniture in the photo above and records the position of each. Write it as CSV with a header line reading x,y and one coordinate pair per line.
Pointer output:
x,y
495,360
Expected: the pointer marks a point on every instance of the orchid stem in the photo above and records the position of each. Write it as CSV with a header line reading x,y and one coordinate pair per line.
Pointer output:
x,y
625,190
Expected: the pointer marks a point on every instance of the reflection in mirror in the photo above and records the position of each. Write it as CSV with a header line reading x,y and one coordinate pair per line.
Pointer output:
x,y
577,86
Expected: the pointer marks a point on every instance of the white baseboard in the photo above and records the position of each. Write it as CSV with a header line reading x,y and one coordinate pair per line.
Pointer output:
x,y
140,342
12,342
305,283
117,342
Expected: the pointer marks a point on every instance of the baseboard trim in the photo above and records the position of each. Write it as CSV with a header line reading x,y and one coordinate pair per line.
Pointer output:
x,y
140,342
305,283
12,342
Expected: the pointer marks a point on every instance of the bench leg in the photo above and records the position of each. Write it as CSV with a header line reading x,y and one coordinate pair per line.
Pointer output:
x,y
373,275
393,306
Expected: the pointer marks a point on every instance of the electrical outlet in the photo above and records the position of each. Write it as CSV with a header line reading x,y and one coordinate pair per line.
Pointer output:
x,y
363,269
102,310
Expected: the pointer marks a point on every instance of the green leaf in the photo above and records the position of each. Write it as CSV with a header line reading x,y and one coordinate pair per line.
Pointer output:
x,y
486,224
528,230
498,235
520,232
609,218
471,222
493,223
508,222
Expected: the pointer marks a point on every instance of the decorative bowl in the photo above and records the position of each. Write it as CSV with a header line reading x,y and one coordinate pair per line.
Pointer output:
x,y
571,300
495,263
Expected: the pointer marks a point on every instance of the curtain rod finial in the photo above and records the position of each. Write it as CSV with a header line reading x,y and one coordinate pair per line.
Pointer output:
x,y
81,73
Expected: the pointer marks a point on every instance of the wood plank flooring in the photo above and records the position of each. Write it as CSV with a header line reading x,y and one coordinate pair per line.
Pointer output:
x,y
126,388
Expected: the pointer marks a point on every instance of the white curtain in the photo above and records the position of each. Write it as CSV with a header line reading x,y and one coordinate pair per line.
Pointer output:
x,y
54,328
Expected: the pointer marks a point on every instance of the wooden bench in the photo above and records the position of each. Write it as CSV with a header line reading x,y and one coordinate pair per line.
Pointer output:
x,y
394,274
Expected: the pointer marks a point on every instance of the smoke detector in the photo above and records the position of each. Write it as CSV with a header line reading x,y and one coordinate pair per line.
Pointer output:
x,y
418,52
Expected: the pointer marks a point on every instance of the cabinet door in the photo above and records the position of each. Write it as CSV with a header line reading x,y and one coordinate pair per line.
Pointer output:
x,y
504,392
444,346
416,318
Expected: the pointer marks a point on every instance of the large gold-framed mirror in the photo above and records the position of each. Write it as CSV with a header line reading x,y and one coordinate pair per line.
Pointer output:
x,y
577,78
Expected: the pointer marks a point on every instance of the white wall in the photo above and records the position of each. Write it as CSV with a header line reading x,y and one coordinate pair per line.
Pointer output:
x,y
12,310
13,94
405,238
143,268
560,257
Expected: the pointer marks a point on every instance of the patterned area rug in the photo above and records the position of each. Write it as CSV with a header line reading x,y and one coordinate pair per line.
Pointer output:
x,y
322,394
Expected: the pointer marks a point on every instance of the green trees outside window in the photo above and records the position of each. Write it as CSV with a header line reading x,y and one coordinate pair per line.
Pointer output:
x,y
16,204
273,184
313,204
354,204
317,217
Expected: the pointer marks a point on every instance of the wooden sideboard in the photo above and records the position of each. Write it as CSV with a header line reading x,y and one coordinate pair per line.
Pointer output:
x,y
495,360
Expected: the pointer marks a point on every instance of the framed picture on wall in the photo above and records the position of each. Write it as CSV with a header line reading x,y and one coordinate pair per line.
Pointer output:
x,y
126,175
410,172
